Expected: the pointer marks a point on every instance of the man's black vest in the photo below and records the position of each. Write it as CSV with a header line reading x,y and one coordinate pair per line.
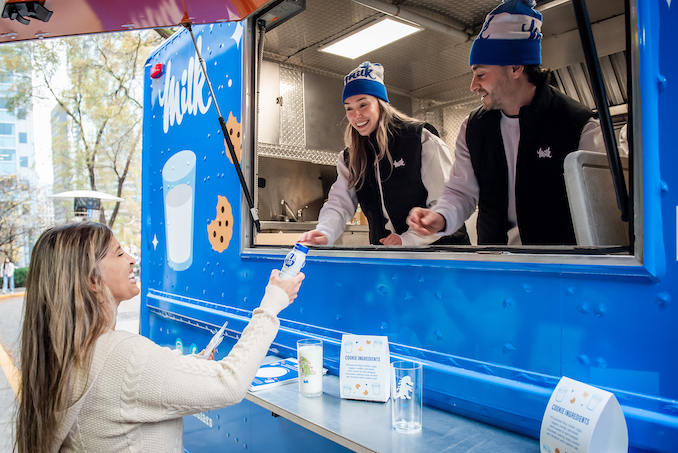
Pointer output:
x,y
550,129
402,185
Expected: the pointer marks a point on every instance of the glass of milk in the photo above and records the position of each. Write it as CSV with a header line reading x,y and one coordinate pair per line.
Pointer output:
x,y
310,356
178,184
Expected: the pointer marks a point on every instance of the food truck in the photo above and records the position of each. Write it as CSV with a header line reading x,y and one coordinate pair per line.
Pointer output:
x,y
243,123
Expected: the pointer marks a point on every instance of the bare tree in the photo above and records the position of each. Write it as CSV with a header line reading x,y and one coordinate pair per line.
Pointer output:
x,y
17,222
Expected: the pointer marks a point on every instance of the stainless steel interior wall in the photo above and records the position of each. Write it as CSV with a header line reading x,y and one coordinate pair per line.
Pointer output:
x,y
302,185
292,129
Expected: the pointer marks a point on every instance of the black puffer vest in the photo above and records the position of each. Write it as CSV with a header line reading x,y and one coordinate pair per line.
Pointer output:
x,y
550,129
402,186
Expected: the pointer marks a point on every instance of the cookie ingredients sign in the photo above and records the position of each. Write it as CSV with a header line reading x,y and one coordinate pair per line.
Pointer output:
x,y
581,418
364,367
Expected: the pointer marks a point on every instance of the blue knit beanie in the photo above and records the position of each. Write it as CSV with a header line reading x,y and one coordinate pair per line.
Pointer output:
x,y
511,35
368,78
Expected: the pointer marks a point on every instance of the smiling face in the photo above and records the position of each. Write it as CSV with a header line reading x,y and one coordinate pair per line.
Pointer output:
x,y
493,84
362,111
116,270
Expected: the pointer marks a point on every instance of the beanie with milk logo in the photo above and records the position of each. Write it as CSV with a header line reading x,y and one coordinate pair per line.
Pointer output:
x,y
511,35
368,78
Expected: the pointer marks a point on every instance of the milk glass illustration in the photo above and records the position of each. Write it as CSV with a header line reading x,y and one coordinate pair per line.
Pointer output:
x,y
561,393
593,403
348,346
178,185
377,345
347,390
376,389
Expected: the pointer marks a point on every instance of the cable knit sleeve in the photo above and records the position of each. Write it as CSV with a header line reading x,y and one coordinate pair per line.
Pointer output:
x,y
158,383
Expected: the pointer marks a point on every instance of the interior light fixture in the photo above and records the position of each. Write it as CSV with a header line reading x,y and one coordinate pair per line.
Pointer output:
x,y
372,37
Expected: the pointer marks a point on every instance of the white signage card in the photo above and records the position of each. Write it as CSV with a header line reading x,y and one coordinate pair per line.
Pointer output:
x,y
364,368
581,418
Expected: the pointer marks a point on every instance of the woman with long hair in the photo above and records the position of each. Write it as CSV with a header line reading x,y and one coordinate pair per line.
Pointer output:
x,y
87,387
391,164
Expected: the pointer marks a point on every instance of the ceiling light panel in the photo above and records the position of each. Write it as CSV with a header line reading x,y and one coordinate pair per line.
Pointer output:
x,y
370,38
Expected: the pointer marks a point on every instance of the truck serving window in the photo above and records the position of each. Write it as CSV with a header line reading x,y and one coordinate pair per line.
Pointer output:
x,y
299,130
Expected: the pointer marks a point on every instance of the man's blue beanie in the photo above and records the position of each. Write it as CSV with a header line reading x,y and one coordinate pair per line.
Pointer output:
x,y
511,35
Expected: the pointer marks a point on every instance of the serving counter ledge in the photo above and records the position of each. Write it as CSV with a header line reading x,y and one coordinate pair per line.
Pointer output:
x,y
364,426
287,233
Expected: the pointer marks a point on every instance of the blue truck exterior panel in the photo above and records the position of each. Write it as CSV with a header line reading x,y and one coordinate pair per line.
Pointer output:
x,y
495,337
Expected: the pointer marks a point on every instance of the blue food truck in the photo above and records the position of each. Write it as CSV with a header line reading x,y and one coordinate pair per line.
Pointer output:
x,y
495,327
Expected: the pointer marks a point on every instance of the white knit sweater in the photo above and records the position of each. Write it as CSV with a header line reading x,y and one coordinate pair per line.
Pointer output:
x,y
137,392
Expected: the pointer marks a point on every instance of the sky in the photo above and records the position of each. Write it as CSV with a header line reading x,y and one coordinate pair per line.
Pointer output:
x,y
42,141
42,130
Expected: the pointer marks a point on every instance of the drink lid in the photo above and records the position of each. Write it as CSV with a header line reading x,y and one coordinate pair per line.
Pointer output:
x,y
301,247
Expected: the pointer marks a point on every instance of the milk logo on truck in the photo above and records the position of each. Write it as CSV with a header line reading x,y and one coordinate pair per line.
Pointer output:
x,y
184,95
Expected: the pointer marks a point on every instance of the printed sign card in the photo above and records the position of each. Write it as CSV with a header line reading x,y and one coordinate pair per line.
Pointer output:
x,y
364,368
580,418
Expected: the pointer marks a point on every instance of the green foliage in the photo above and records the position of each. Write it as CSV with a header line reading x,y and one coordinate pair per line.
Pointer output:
x,y
96,82
16,60
20,276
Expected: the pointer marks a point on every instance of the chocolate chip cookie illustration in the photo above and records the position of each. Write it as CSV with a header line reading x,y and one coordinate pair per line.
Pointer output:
x,y
234,130
220,230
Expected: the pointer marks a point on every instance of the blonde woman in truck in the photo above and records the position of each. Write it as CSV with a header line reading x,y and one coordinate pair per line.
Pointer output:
x,y
392,163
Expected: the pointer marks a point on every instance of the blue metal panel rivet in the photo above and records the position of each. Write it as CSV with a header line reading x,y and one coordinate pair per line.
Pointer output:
x,y
663,299
663,187
508,347
584,359
600,310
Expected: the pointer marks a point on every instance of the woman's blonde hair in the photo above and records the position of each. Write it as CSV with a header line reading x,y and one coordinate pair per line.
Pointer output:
x,y
67,307
355,143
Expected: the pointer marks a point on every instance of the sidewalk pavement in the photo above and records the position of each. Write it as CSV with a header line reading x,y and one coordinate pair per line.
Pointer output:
x,y
11,307
11,321
17,292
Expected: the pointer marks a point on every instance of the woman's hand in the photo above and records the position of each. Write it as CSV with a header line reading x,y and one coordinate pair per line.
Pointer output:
x,y
391,239
290,286
313,237
211,357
